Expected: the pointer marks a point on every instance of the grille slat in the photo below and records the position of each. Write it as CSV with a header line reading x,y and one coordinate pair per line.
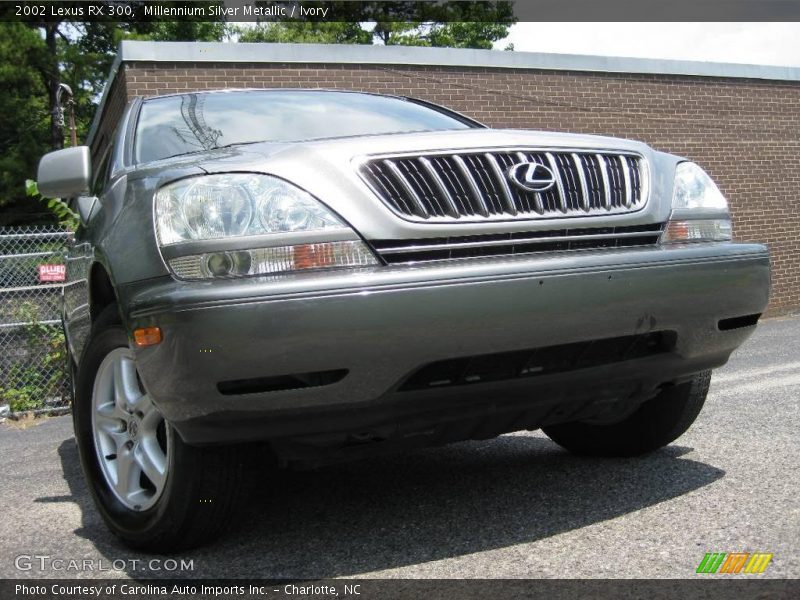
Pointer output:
x,y
601,160
473,186
569,182
636,179
562,194
502,182
421,187
457,190
594,182
616,180
504,244
407,189
479,202
626,176
445,198
382,183
580,169
485,183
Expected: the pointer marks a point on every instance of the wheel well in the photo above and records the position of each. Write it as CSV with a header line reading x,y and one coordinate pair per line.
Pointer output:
x,y
101,291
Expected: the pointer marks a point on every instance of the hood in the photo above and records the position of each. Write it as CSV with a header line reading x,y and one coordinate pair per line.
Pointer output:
x,y
426,141
328,169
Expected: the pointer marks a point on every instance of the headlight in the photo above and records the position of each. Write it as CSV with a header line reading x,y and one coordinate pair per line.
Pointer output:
x,y
699,210
203,225
695,189
236,204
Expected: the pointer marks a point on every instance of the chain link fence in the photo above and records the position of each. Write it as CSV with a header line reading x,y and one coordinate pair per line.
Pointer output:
x,y
33,374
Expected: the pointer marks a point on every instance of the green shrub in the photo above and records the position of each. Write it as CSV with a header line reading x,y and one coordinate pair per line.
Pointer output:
x,y
26,386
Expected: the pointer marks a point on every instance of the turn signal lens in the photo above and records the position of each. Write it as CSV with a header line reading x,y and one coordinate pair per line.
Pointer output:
x,y
314,256
278,259
697,230
147,336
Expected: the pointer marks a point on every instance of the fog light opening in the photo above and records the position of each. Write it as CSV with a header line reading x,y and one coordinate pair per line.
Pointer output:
x,y
738,322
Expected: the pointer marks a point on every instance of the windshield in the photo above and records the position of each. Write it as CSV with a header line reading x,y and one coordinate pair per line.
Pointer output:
x,y
176,125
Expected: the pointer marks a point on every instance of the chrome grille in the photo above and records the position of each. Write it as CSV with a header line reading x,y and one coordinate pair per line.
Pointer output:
x,y
506,244
474,186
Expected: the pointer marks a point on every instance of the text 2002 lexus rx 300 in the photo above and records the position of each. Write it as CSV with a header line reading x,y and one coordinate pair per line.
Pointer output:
x,y
338,274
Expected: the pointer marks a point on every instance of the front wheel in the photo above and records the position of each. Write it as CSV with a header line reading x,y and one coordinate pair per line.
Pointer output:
x,y
653,425
153,491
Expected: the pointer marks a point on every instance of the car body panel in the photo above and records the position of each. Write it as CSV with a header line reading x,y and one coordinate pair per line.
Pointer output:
x,y
382,326
382,323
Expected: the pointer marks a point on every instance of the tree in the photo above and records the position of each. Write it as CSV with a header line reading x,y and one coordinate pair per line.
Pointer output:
x,y
454,24
175,31
475,24
306,32
388,33
81,53
35,58
24,119
468,35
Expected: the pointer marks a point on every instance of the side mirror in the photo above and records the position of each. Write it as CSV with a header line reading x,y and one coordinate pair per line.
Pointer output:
x,y
65,173
85,206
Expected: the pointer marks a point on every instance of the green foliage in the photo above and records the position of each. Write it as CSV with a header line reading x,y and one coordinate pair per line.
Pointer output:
x,y
405,33
475,24
409,33
178,31
36,57
468,35
23,112
306,32
26,386
81,56
66,216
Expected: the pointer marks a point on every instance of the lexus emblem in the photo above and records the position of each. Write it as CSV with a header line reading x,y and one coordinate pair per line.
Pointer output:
x,y
532,176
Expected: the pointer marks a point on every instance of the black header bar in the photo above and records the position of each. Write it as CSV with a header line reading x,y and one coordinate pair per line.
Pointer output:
x,y
408,10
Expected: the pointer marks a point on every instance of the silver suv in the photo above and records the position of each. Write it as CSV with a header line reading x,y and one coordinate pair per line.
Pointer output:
x,y
337,274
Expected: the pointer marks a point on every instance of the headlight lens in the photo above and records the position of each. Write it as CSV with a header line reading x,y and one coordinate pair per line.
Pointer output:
x,y
217,208
236,204
695,189
699,210
282,208
214,210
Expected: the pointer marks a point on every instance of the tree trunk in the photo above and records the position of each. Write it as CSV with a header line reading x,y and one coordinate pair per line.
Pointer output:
x,y
53,82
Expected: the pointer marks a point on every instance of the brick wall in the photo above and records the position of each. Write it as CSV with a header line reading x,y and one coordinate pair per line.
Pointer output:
x,y
745,132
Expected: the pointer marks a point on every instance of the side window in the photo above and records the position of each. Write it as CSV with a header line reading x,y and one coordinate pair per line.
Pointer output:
x,y
101,173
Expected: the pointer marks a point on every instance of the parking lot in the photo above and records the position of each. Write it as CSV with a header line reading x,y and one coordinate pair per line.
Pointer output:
x,y
518,506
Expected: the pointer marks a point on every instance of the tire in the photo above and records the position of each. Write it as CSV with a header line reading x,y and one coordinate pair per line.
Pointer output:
x,y
154,492
653,425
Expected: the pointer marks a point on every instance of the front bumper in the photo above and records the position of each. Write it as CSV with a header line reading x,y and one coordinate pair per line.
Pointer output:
x,y
383,324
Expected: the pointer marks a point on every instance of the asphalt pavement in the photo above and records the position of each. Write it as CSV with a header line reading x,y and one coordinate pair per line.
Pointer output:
x,y
517,506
